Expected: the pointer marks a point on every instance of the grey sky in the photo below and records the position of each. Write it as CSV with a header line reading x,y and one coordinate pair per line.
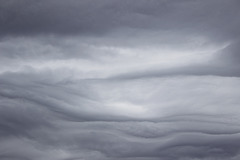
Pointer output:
x,y
119,80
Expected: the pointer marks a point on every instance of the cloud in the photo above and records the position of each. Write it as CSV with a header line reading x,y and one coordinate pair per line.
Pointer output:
x,y
80,119
119,80
92,17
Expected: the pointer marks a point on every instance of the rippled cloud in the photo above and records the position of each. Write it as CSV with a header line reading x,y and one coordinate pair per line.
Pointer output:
x,y
119,80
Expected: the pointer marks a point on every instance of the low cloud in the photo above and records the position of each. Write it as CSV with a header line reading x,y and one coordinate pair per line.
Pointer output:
x,y
119,80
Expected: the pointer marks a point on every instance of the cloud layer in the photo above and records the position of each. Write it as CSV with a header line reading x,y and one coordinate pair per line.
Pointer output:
x,y
119,80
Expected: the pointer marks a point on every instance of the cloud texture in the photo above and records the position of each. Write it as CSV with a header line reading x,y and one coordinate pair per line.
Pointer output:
x,y
119,80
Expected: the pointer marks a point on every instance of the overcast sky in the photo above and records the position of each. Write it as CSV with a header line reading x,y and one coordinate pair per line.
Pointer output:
x,y
119,80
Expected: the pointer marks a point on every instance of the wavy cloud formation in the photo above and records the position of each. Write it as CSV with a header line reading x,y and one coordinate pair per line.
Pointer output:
x,y
119,80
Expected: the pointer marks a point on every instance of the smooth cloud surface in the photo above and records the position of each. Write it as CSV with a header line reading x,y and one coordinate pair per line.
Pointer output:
x,y
119,80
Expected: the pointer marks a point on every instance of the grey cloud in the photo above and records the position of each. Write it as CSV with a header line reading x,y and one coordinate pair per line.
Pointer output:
x,y
121,140
42,49
230,55
197,70
225,62
119,80
61,17
44,120
125,25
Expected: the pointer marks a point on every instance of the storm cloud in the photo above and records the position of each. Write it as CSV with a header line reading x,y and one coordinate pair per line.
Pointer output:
x,y
119,80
